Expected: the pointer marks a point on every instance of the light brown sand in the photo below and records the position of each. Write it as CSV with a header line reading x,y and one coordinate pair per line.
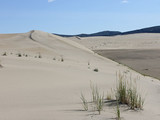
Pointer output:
x,y
146,62
46,89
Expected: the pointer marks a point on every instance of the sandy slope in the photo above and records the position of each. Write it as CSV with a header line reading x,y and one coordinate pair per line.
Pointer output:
x,y
46,89
133,41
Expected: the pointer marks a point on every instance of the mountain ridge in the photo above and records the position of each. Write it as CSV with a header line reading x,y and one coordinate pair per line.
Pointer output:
x,y
154,29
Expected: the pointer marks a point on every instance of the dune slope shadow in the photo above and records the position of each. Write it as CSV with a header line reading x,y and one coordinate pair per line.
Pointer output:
x,y
145,61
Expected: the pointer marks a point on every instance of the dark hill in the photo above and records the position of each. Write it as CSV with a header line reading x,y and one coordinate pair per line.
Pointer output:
x,y
155,29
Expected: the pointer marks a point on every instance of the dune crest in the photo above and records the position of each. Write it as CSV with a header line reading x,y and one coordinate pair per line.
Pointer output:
x,y
43,76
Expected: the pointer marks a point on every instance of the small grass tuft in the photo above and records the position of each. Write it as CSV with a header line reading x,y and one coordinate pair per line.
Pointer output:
x,y
39,56
1,65
4,54
62,60
19,55
84,102
97,98
99,103
95,70
118,114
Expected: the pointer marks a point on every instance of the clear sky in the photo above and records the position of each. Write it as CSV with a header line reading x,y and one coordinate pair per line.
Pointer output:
x,y
77,16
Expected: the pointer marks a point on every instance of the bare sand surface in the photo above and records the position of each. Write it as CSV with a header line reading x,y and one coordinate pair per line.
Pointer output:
x,y
132,41
36,84
144,61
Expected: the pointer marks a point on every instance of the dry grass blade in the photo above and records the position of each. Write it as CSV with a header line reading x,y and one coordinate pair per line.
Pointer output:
x,y
84,102
118,114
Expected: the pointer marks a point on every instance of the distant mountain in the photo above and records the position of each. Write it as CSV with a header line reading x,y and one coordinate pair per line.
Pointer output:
x,y
155,29
103,33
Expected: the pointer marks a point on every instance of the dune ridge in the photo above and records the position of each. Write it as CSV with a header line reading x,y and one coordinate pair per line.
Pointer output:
x,y
38,88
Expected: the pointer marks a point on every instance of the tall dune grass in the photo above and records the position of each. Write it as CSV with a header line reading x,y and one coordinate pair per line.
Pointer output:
x,y
97,99
127,92
84,102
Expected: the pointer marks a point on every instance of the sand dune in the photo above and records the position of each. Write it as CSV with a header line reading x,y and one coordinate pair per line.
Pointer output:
x,y
33,88
133,41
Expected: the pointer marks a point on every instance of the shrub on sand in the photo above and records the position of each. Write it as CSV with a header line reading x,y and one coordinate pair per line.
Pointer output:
x,y
4,54
96,70
19,55
127,93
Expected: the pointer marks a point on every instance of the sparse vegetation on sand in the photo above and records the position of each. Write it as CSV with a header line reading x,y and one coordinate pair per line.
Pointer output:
x,y
95,70
1,65
4,54
39,56
54,58
19,55
97,99
118,113
62,60
127,93
99,102
84,102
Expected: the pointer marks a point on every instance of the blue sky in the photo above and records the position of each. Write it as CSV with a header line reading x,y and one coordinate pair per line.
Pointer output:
x,y
77,16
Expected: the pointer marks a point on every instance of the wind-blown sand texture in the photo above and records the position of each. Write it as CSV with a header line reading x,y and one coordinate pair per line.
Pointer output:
x,y
47,88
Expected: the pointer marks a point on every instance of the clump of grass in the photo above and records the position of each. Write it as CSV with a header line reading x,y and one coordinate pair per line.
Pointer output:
x,y
19,55
62,60
121,89
95,70
135,99
84,102
99,103
39,56
127,93
94,91
54,58
88,65
97,98
4,54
